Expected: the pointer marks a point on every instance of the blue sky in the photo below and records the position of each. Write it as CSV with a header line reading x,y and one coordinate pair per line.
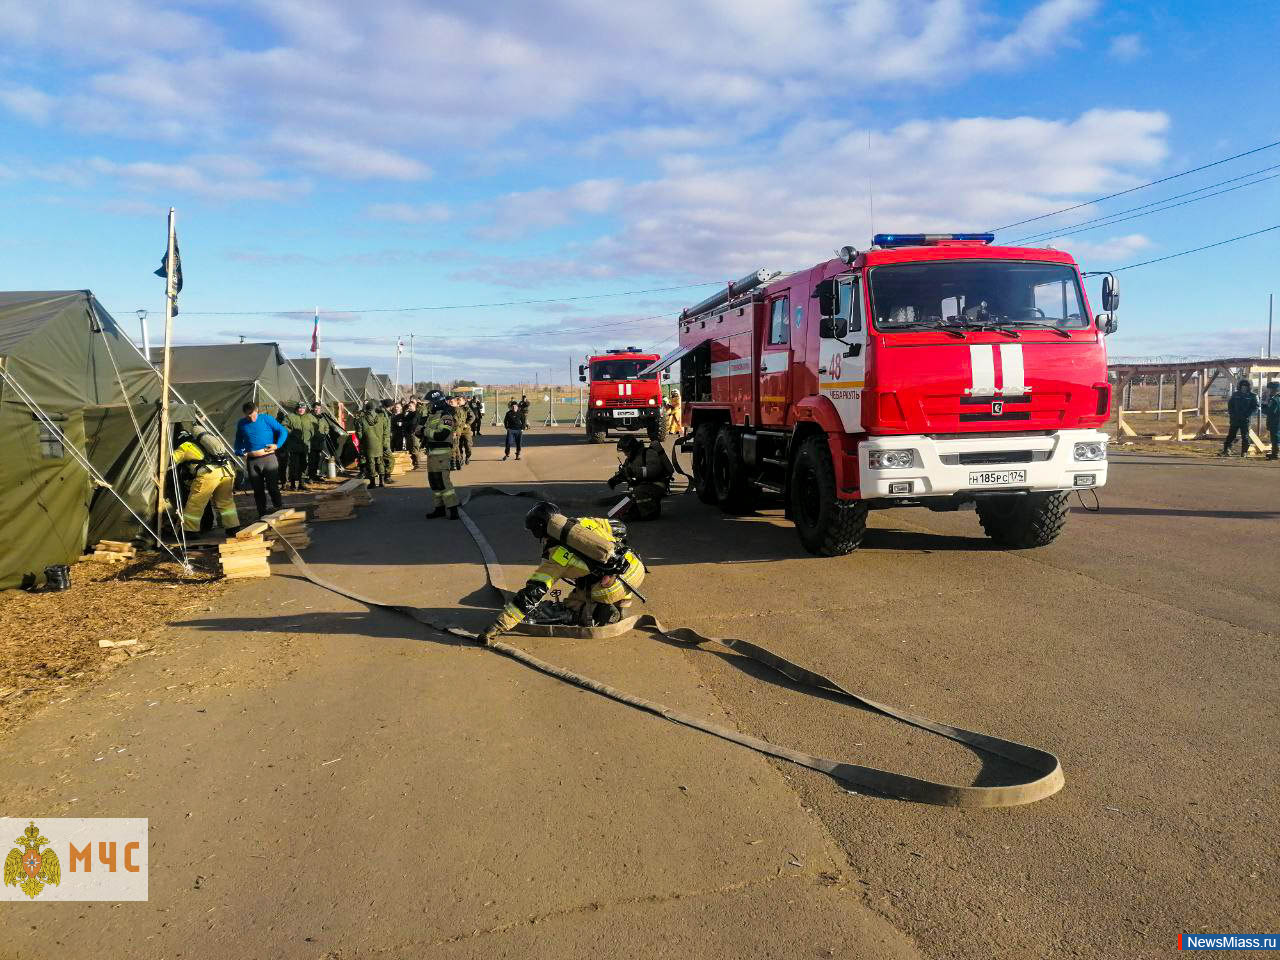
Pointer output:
x,y
365,157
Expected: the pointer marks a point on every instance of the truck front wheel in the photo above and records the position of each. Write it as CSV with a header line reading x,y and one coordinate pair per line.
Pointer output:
x,y
595,433
704,439
658,429
1030,520
828,526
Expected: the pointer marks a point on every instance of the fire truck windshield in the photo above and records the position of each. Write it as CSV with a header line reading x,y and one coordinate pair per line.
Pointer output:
x,y
976,294
620,369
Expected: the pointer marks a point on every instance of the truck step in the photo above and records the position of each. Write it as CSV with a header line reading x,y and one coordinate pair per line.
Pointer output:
x,y
773,461
768,487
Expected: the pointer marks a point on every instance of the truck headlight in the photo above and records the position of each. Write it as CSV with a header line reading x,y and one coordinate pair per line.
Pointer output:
x,y
599,403
1091,450
891,459
653,402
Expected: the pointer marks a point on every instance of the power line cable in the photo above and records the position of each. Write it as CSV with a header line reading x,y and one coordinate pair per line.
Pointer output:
x,y
1142,186
1049,234
452,306
1207,246
1118,219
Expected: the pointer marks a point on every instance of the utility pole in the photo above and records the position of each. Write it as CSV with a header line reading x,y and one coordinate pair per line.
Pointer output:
x,y
146,338
162,462
1270,302
413,377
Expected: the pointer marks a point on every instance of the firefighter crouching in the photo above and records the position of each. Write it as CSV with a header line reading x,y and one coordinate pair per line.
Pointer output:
x,y
648,472
206,472
589,552
438,428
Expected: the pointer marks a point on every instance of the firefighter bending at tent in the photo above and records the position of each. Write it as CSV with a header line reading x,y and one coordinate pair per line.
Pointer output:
x,y
589,552
647,470
205,472
438,428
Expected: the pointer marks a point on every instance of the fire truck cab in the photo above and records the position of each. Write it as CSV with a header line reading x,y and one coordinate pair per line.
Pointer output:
x,y
929,370
620,397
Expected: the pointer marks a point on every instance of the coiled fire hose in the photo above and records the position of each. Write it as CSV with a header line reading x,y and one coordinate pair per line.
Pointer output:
x,y
1044,772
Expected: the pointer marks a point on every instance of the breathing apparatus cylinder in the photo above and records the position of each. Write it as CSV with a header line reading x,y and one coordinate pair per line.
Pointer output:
x,y
580,538
330,468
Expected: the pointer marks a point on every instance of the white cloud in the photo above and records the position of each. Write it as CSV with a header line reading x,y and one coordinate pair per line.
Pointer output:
x,y
708,219
27,102
206,177
408,212
368,91
1126,47
1100,254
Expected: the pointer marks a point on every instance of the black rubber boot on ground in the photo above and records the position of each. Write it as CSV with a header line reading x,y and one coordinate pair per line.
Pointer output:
x,y
436,513
387,480
453,513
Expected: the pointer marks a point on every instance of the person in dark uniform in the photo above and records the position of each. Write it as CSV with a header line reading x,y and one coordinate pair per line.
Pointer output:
x,y
648,471
1271,410
1240,408
412,423
513,423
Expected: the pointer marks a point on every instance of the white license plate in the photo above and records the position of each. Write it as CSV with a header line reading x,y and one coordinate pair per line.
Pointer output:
x,y
626,413
997,478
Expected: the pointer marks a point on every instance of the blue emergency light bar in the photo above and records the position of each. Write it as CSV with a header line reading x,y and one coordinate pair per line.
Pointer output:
x,y
884,240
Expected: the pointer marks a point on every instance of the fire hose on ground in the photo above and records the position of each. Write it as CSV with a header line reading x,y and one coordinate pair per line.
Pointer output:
x,y
1044,772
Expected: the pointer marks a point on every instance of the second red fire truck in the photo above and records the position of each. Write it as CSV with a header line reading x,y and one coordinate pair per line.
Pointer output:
x,y
929,370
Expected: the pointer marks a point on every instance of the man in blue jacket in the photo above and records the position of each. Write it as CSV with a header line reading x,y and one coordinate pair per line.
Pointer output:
x,y
1241,406
258,437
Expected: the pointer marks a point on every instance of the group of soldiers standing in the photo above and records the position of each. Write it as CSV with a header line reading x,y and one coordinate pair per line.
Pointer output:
x,y
314,436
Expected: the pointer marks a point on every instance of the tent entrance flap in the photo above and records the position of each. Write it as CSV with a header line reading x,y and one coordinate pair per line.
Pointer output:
x,y
662,363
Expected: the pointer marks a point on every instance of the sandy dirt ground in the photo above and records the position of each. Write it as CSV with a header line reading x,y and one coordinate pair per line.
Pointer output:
x,y
326,781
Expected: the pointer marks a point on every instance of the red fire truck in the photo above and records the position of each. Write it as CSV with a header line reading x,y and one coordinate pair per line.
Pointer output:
x,y
620,397
928,370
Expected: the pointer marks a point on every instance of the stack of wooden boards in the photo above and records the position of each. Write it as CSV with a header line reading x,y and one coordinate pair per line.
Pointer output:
x,y
401,462
244,557
113,551
340,503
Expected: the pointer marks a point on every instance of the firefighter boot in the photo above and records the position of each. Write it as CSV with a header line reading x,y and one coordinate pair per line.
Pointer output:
x,y
453,513
437,512
386,479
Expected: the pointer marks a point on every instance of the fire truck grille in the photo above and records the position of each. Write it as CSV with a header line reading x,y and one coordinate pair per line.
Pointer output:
x,y
995,456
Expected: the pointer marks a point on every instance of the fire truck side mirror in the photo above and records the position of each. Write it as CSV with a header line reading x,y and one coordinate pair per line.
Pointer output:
x,y
833,328
582,372
825,291
1106,323
1110,294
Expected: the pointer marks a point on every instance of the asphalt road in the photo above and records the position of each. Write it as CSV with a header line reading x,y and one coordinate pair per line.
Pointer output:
x,y
332,782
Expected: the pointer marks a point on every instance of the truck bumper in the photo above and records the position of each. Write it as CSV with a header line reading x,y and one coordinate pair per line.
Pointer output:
x,y
959,464
608,419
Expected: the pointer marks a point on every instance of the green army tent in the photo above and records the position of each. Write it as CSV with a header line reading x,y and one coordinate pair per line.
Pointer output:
x,y
364,382
386,387
79,428
221,378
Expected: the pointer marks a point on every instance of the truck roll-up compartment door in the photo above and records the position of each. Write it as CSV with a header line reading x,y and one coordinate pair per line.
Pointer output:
x,y
673,357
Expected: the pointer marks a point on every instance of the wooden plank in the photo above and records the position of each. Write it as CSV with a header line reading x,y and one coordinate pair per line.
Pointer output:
x,y
258,552
242,566
255,529
115,546
248,575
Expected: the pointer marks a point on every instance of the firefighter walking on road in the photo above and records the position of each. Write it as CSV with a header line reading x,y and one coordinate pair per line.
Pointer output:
x,y
206,473
647,470
589,552
438,430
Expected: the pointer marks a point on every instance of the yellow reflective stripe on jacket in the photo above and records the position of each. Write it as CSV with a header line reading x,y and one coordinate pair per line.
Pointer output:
x,y
187,451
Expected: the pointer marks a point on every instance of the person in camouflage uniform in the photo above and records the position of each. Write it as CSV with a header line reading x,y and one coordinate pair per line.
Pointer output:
x,y
463,417
412,423
375,437
320,440
388,460
297,448
438,430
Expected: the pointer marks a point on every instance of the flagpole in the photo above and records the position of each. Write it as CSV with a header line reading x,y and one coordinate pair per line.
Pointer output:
x,y
413,377
169,297
316,392
395,390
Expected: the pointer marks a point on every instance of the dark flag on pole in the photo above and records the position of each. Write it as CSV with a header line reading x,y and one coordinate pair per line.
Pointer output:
x,y
163,272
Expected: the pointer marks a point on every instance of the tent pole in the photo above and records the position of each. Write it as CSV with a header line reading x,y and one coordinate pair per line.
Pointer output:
x,y
169,296
316,392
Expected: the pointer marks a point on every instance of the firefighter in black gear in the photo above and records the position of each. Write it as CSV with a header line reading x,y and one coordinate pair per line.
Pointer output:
x,y
1241,407
648,471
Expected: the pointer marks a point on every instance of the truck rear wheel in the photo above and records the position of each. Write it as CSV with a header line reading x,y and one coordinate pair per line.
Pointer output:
x,y
704,439
828,526
594,433
1021,522
729,475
